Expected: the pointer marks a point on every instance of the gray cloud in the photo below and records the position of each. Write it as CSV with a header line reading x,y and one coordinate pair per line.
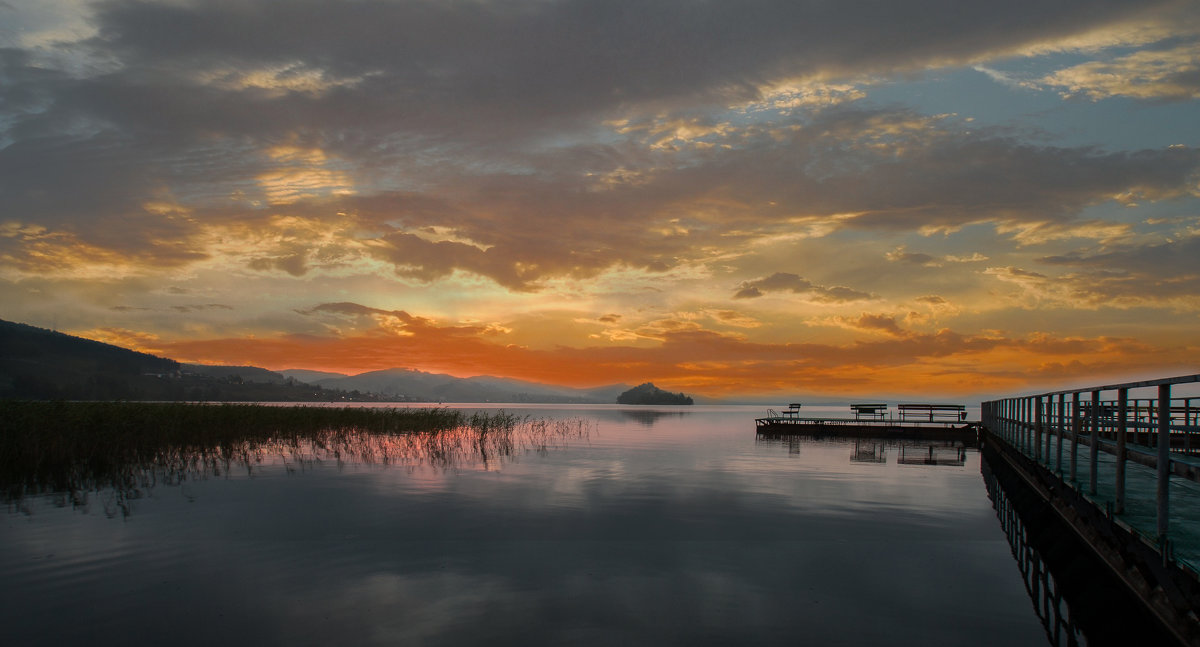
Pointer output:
x,y
787,282
201,307
882,323
914,258
465,108
432,63
355,309
1135,274
1167,259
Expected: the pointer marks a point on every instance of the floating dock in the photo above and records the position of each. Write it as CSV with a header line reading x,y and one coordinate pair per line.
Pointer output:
x,y
891,429
914,422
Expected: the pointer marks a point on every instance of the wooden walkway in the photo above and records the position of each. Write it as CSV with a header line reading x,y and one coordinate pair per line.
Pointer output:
x,y
1126,470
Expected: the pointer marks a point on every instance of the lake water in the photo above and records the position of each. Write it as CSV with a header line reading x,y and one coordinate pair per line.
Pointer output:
x,y
627,526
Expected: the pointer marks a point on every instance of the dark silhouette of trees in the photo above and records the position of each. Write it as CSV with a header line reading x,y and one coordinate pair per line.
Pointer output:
x,y
649,394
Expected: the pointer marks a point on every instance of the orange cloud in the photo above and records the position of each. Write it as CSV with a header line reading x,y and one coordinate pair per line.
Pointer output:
x,y
705,362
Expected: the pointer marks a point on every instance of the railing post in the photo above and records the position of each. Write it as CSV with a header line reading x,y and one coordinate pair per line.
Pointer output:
x,y
1012,422
1062,428
1019,417
1029,447
1012,428
1122,422
1018,435
1018,424
1187,431
1006,411
1094,447
1164,458
1075,422
1027,426
1047,427
1037,429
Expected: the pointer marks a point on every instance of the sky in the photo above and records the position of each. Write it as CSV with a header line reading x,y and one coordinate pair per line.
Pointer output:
x,y
858,198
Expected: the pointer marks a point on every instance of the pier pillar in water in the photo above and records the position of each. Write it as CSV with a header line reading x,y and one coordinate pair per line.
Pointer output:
x,y
1075,428
1122,450
1164,459
1037,428
1094,447
1061,431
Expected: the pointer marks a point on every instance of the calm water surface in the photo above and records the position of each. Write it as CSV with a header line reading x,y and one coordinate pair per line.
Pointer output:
x,y
674,526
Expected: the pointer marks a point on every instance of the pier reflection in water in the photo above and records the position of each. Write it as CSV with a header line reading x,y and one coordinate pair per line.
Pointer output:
x,y
869,451
875,450
927,453
1076,598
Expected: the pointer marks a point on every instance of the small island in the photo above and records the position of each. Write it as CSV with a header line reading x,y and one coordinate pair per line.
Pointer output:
x,y
649,394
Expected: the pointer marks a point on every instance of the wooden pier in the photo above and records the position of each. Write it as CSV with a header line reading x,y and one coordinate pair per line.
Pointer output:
x,y
1123,475
914,422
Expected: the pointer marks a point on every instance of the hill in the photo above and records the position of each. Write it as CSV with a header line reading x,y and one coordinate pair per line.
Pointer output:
x,y
414,385
251,374
649,394
40,364
311,377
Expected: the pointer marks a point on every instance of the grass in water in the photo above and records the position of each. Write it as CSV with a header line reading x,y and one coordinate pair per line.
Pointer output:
x,y
74,448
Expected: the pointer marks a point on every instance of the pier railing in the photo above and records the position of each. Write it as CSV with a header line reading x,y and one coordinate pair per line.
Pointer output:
x,y
1089,437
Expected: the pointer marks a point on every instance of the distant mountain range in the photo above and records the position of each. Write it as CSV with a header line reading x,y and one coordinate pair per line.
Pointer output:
x,y
411,384
36,363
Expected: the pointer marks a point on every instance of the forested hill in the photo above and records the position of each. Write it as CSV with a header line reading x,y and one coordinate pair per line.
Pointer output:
x,y
40,364
649,394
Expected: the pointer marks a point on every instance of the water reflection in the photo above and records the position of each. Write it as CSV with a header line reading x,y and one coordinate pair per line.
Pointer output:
x,y
875,450
648,417
125,474
1076,598
869,451
697,533
793,442
925,453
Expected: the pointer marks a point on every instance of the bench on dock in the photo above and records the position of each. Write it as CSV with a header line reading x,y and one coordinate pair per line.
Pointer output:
x,y
932,412
792,411
869,411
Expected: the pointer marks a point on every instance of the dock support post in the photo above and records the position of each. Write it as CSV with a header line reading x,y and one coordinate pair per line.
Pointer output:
x,y
1094,447
1018,423
1047,425
1122,450
1024,418
1037,429
1164,458
1003,423
1075,421
1187,430
1028,426
1062,428
1019,416
1018,429
1014,430
1011,412
1004,420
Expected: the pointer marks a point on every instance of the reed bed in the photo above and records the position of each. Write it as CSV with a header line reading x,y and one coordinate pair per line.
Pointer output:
x,y
73,448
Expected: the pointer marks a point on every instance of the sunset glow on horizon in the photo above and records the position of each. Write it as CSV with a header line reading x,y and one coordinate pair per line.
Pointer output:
x,y
729,199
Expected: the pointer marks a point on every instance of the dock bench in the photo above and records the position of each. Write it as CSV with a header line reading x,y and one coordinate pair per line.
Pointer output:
x,y
869,411
932,412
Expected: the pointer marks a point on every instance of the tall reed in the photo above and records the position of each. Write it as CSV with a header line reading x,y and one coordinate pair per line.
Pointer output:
x,y
76,447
